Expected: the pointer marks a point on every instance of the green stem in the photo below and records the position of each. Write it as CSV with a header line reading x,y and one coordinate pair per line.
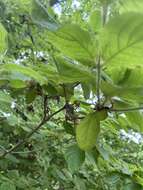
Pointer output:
x,y
98,64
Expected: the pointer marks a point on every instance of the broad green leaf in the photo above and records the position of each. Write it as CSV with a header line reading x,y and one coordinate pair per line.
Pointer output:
x,y
66,72
87,131
125,76
49,72
95,20
73,72
75,43
122,43
130,94
3,37
124,82
131,6
42,17
23,70
74,157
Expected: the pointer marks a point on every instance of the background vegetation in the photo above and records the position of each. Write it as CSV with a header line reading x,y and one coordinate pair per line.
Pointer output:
x,y
71,95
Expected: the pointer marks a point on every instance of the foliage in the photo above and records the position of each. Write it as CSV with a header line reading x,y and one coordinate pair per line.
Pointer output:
x,y
68,84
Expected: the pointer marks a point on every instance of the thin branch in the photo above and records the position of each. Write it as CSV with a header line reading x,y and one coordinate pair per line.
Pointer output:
x,y
125,110
23,141
98,81
45,107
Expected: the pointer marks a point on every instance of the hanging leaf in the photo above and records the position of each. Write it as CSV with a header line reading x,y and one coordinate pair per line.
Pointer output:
x,y
42,17
122,43
74,157
74,42
88,130
24,70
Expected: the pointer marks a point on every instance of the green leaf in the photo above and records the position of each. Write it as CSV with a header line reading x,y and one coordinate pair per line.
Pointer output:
x,y
136,120
42,17
95,20
24,70
138,179
31,95
124,82
131,6
7,186
12,120
80,183
5,97
86,88
122,43
71,72
132,186
74,157
68,127
125,76
49,72
87,131
17,84
74,42
3,37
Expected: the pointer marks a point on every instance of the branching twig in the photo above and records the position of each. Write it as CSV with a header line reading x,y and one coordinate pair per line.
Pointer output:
x,y
44,120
